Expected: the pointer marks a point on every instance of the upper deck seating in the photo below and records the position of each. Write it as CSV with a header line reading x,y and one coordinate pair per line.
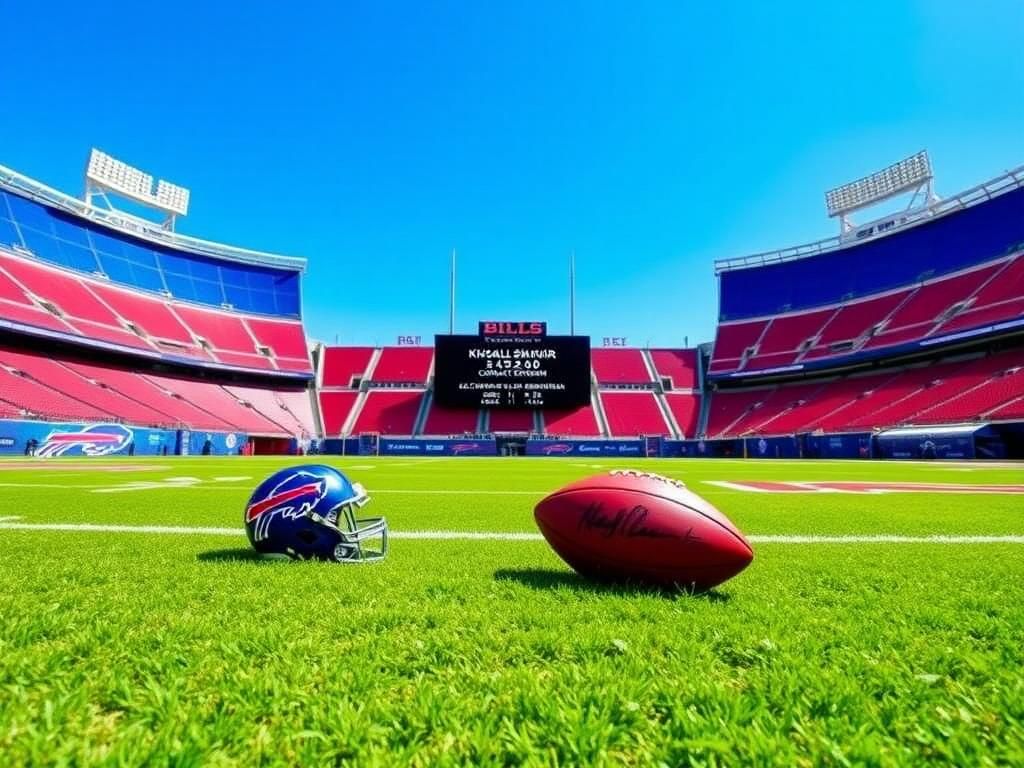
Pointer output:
x,y
976,297
284,338
223,331
407,365
731,340
341,365
619,366
150,314
677,365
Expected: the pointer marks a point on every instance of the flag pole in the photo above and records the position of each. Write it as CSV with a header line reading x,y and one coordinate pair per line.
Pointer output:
x,y
572,293
451,297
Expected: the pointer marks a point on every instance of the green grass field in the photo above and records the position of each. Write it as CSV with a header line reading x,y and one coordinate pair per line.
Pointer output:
x,y
146,648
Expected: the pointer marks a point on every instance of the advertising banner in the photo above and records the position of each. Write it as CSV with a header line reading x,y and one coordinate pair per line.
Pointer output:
x,y
412,446
592,448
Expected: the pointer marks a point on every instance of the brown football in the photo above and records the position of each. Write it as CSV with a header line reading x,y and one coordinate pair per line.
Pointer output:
x,y
627,525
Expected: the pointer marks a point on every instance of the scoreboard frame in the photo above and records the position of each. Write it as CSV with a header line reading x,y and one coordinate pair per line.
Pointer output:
x,y
511,366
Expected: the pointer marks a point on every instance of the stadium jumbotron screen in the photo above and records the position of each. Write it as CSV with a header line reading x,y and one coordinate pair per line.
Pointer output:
x,y
511,365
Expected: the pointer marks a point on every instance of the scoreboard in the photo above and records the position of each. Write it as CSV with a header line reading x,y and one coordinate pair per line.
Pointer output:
x,y
511,365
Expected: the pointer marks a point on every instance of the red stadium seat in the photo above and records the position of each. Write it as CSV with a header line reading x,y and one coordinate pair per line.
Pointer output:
x,y
223,331
283,338
678,365
150,314
335,408
32,397
404,365
343,364
686,410
731,340
619,366
948,392
990,294
631,414
450,421
290,410
62,289
389,412
580,422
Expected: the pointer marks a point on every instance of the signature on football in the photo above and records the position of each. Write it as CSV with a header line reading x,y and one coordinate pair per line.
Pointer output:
x,y
630,523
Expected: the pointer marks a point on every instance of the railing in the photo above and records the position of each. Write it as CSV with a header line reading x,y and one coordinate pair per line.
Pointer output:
x,y
1008,182
138,227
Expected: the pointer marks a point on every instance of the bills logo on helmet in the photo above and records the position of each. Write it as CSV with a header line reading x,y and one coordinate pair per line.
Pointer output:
x,y
295,496
95,440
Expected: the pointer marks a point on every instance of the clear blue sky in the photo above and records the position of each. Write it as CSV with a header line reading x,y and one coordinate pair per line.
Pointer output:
x,y
374,137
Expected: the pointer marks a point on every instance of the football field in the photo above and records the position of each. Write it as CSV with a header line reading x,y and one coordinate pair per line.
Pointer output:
x,y
881,622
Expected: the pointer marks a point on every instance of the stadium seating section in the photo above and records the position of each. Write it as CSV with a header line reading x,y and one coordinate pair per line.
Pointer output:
x,y
409,365
386,390
343,364
679,366
88,310
619,366
868,325
976,298
59,388
389,411
975,388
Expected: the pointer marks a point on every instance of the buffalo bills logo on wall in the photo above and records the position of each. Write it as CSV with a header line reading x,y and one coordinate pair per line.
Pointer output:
x,y
295,496
95,440
557,448
460,448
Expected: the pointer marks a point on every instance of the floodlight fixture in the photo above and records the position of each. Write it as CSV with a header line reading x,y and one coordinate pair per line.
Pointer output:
x,y
911,174
172,197
107,174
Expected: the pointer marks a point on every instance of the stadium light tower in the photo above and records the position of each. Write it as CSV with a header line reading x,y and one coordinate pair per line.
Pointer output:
x,y
911,174
105,174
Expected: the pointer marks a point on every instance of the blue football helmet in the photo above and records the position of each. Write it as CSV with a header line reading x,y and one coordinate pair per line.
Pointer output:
x,y
308,513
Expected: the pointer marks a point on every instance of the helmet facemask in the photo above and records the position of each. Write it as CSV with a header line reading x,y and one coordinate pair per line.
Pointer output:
x,y
361,540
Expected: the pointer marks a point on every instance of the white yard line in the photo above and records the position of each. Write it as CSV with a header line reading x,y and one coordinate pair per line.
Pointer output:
x,y
12,524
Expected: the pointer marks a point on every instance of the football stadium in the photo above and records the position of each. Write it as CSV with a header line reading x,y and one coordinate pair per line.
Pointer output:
x,y
191,479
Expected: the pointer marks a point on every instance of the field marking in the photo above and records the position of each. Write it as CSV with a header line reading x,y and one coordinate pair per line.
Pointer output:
x,y
158,485
12,524
858,487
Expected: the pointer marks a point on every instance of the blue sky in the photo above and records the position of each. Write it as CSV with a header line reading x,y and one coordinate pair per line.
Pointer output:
x,y
651,138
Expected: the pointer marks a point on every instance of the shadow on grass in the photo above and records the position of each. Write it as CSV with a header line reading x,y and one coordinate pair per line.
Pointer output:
x,y
543,578
236,555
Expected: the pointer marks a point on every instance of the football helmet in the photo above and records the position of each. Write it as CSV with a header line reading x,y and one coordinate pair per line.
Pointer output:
x,y
308,512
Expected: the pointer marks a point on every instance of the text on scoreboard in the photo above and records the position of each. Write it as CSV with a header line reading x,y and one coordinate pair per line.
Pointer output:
x,y
511,365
